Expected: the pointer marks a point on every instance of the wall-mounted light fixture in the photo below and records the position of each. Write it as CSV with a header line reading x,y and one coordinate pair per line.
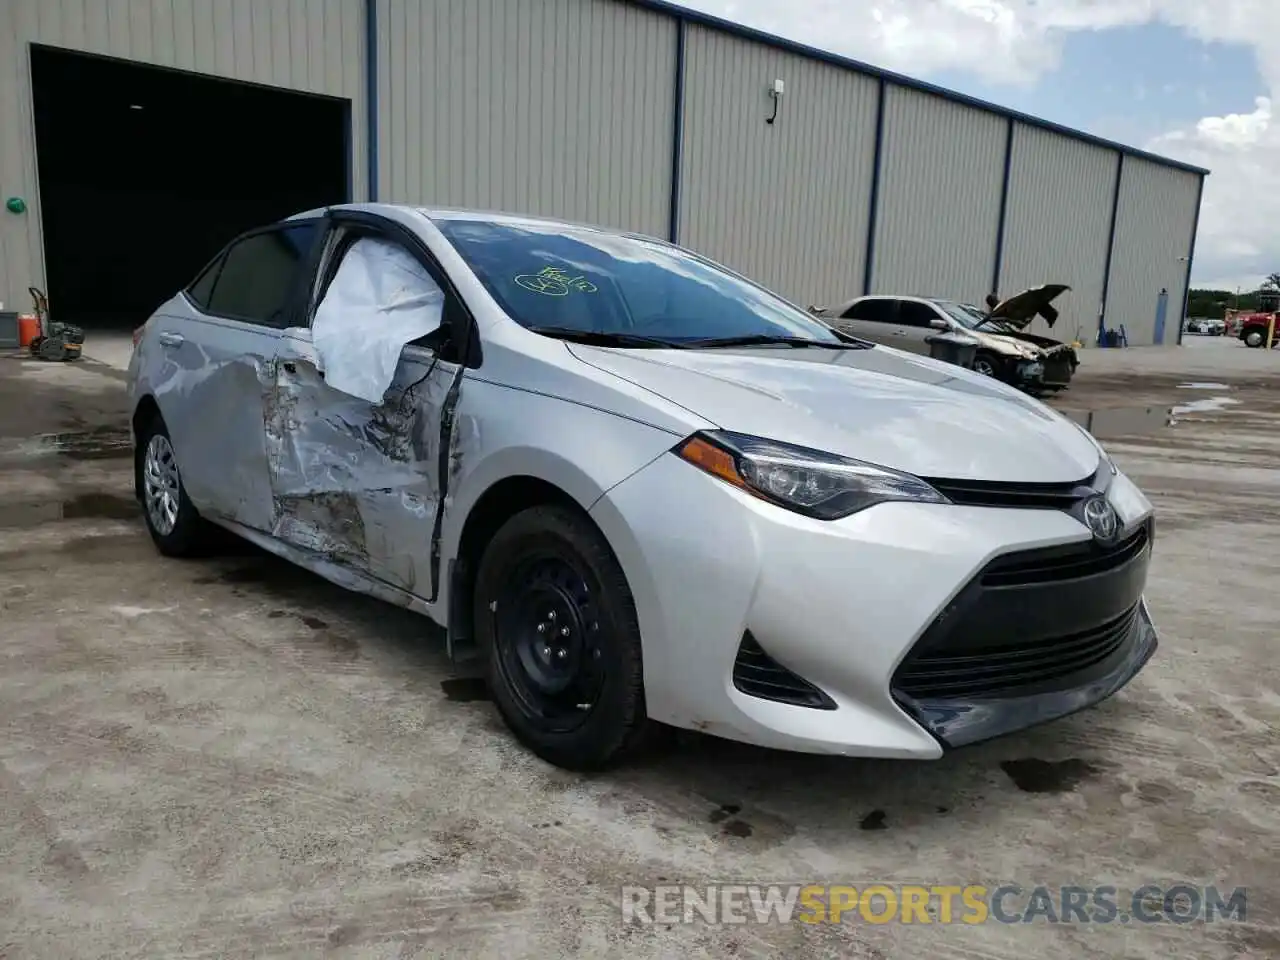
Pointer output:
x,y
775,93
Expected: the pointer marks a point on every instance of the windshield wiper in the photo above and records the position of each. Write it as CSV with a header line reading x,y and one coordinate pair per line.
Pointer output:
x,y
601,338
766,339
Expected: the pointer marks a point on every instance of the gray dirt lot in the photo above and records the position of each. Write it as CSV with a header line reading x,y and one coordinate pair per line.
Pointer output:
x,y
231,758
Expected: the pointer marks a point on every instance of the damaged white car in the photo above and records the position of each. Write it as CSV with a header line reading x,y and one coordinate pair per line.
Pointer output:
x,y
1003,347
640,487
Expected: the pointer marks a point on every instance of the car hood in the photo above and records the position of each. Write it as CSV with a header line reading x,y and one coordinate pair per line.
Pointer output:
x,y
1008,344
1019,310
879,405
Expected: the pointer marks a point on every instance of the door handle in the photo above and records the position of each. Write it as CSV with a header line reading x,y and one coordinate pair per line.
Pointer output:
x,y
171,339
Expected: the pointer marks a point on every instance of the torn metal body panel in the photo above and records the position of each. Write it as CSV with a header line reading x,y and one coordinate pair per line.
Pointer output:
x,y
355,481
212,379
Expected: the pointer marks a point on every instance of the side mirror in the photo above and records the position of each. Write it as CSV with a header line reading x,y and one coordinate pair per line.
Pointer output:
x,y
939,324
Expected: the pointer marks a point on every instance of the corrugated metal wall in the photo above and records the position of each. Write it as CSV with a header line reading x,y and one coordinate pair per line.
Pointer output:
x,y
1153,233
311,45
786,204
552,107
1057,223
941,173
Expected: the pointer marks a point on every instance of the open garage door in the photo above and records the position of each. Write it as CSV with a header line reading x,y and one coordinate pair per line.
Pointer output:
x,y
146,172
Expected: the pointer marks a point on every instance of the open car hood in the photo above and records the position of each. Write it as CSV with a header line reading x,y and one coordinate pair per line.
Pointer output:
x,y
1019,310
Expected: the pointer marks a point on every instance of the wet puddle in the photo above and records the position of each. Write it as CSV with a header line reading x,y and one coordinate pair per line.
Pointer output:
x,y
99,443
1207,405
86,506
1123,421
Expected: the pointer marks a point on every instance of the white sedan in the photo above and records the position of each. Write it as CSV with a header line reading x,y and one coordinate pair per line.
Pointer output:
x,y
642,488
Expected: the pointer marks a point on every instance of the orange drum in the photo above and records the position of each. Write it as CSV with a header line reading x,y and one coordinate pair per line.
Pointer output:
x,y
28,329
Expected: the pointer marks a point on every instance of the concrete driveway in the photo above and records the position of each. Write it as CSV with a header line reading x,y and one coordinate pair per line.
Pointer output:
x,y
229,757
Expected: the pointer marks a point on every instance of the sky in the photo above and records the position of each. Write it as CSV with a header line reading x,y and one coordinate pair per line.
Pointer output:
x,y
1188,79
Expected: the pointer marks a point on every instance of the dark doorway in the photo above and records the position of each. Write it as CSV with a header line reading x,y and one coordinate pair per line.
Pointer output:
x,y
146,172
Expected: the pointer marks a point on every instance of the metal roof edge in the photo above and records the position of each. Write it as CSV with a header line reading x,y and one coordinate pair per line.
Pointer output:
x,y
848,63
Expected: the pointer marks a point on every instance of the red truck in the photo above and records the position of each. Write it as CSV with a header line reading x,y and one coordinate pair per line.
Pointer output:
x,y
1253,327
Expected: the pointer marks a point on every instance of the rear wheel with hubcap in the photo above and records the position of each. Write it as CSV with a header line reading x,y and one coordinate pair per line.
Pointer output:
x,y
1254,338
172,520
557,622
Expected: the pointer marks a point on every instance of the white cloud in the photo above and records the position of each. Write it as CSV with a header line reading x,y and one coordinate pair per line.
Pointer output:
x,y
1013,42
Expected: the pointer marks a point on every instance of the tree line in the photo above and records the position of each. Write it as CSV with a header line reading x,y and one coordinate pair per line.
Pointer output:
x,y
1215,303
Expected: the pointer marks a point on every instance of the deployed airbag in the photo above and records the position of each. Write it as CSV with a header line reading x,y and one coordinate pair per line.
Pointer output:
x,y
380,299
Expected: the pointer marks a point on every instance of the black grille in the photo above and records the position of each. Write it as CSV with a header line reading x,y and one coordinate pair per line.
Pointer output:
x,y
983,493
1057,369
1063,563
984,672
757,674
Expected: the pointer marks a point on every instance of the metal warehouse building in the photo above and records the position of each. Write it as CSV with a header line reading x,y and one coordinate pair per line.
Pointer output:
x,y
120,178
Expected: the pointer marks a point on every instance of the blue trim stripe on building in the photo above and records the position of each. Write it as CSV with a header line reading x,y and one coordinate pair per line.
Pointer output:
x,y
371,95
872,213
1191,254
847,63
677,138
1111,242
1004,209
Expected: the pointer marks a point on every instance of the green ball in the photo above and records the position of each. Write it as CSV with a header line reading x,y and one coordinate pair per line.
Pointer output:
x,y
16,205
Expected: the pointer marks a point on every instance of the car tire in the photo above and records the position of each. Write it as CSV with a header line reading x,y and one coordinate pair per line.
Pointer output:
x,y
1254,338
989,365
176,527
557,624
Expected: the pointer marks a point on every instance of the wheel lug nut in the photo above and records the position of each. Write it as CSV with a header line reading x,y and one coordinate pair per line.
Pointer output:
x,y
551,615
564,631
546,651
542,628
562,653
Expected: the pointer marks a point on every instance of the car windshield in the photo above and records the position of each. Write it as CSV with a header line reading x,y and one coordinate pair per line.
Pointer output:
x,y
576,280
970,317
964,314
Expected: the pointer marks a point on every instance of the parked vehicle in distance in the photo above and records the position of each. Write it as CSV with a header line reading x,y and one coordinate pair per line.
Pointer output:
x,y
1005,350
641,487
1206,326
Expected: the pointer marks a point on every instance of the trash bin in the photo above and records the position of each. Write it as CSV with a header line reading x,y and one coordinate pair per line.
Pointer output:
x,y
953,348
9,338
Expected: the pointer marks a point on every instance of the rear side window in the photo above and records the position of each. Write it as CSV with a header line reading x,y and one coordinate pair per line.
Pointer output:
x,y
258,274
876,311
202,286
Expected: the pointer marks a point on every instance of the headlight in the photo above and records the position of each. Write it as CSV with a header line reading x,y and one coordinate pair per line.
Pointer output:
x,y
810,482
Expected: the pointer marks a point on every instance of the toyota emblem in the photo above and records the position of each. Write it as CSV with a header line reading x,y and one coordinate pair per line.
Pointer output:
x,y
1101,519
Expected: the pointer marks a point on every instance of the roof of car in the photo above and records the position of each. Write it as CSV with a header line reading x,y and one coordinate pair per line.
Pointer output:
x,y
458,213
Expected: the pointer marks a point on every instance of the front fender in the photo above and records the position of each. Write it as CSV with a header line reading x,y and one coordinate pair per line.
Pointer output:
x,y
502,432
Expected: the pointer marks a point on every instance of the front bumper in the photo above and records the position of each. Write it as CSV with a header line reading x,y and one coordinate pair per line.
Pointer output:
x,y
763,626
1055,370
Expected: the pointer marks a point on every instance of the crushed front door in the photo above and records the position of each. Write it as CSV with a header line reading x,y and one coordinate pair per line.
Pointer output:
x,y
357,479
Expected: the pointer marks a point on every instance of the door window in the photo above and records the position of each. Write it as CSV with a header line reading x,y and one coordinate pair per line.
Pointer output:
x,y
879,310
381,298
914,314
258,273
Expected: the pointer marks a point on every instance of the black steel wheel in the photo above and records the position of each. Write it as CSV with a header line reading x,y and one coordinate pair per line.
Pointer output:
x,y
557,622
